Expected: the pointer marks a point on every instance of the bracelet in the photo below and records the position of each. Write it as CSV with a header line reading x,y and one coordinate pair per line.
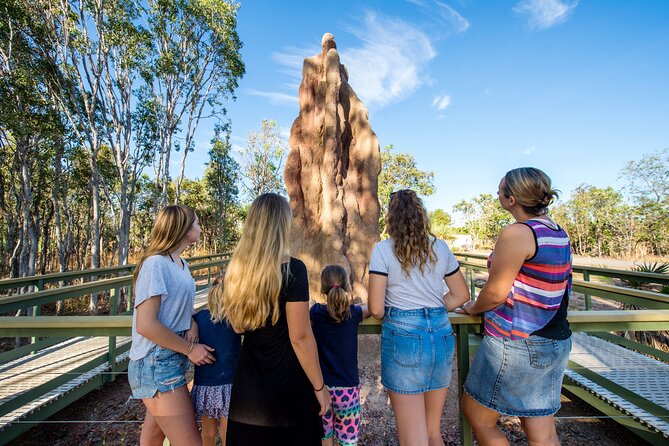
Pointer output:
x,y
318,390
191,348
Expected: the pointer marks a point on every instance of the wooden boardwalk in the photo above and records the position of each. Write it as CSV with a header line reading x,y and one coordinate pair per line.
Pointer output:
x,y
54,372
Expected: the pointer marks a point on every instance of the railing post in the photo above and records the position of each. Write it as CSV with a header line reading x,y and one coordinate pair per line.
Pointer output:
x,y
114,295
462,331
472,283
37,310
586,297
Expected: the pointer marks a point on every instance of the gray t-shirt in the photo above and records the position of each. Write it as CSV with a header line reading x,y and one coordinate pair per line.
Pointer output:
x,y
415,290
160,276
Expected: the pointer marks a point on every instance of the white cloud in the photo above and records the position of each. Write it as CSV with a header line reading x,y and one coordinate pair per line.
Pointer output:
x,y
391,63
528,150
441,102
276,97
451,16
543,14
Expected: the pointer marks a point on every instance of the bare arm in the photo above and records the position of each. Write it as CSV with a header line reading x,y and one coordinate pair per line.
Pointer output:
x,y
377,295
514,245
304,345
365,311
152,329
458,293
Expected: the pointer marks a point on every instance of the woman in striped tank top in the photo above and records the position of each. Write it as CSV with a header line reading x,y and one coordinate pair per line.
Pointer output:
x,y
518,369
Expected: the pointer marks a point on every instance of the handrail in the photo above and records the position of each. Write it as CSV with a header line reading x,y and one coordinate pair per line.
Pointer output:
x,y
612,273
19,301
93,272
644,298
606,320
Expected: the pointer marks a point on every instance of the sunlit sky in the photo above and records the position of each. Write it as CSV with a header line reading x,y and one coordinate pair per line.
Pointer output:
x,y
473,88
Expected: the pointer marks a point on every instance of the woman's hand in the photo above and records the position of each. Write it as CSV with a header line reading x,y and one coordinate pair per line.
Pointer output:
x,y
191,335
464,309
200,354
323,397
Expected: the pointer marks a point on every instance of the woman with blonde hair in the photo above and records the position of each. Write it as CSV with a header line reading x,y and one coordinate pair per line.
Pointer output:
x,y
527,339
164,336
278,393
406,289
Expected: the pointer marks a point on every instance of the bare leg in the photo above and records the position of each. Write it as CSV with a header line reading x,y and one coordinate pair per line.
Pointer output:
x,y
151,434
328,442
540,431
410,417
222,429
484,423
209,431
173,412
434,407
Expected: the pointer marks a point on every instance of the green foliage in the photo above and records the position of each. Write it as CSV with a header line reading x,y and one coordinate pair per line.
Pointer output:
x,y
484,218
440,223
262,160
400,171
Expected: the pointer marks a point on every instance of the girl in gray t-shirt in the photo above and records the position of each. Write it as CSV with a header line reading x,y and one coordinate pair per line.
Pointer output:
x,y
164,336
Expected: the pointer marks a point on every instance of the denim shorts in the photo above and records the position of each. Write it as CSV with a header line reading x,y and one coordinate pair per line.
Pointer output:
x,y
416,350
520,378
161,370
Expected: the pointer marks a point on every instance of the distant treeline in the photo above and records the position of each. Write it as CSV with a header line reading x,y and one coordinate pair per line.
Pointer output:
x,y
632,223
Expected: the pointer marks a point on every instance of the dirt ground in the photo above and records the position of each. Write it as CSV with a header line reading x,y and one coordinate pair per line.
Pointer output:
x,y
576,424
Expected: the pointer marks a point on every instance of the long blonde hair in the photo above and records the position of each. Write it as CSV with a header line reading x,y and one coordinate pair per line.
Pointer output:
x,y
253,277
336,286
409,226
169,231
215,299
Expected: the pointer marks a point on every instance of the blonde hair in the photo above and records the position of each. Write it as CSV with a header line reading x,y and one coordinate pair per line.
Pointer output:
x,y
215,299
531,188
169,231
253,277
336,286
409,227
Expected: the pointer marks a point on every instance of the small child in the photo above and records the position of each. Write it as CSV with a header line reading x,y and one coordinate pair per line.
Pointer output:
x,y
213,382
335,327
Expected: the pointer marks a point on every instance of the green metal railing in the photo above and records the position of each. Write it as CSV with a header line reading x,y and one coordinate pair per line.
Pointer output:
x,y
58,328
40,281
601,324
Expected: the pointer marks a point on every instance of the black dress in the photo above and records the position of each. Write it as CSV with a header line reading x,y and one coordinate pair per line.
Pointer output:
x,y
272,399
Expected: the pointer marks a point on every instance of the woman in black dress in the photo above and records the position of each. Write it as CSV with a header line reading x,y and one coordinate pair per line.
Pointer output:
x,y
278,394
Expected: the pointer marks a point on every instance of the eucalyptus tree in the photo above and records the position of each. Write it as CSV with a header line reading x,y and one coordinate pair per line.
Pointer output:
x,y
30,130
400,171
195,67
262,160
221,177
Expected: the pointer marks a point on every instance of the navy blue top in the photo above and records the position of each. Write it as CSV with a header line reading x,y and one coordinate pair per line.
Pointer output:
x,y
226,343
337,345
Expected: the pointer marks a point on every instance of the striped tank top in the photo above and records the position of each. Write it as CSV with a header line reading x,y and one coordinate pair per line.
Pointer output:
x,y
539,289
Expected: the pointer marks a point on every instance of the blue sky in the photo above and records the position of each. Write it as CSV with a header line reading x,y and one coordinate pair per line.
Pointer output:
x,y
473,88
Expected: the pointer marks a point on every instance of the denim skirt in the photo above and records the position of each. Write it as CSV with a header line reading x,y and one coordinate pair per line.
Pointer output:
x,y
161,370
416,350
520,378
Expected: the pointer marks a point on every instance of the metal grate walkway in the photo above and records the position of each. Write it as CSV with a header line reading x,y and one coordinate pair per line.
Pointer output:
x,y
641,375
53,372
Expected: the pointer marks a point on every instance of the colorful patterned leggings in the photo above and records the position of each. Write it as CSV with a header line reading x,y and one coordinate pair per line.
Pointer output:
x,y
342,421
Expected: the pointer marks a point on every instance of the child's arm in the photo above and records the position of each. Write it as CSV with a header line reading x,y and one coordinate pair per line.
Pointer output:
x,y
365,311
152,329
192,334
